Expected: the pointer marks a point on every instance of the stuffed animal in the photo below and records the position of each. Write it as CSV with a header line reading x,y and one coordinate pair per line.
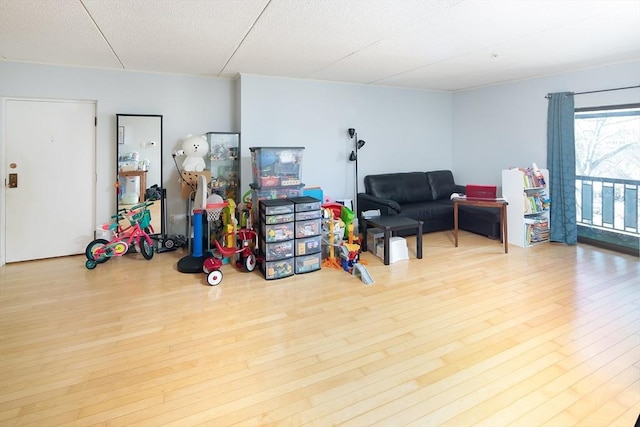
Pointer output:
x,y
195,148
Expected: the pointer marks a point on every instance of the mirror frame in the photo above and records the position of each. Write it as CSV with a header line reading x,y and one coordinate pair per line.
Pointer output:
x,y
120,139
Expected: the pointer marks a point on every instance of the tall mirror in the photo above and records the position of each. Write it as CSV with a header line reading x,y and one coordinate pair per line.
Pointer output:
x,y
139,164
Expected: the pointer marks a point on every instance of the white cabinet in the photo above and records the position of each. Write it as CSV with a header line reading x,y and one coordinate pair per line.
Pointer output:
x,y
529,202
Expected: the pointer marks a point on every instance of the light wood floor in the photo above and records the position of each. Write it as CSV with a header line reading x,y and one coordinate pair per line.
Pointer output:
x,y
467,336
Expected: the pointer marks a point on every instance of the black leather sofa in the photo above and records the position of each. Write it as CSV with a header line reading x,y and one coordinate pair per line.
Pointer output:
x,y
426,196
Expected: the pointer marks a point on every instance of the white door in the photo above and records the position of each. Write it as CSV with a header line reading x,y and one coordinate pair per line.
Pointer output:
x,y
51,151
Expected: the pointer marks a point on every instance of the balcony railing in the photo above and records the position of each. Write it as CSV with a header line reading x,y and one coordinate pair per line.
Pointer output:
x,y
608,204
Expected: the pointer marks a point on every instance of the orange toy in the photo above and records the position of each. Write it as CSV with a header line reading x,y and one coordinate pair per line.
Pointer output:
x,y
331,261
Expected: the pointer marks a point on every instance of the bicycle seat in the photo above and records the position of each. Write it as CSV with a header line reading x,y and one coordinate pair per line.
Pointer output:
x,y
110,227
226,252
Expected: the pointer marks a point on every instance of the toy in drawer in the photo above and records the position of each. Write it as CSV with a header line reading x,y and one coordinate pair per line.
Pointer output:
x,y
308,263
269,181
308,228
277,250
310,245
289,181
276,219
306,203
277,269
305,215
275,206
277,232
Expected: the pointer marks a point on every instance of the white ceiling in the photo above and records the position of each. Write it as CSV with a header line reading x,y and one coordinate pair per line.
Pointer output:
x,y
447,45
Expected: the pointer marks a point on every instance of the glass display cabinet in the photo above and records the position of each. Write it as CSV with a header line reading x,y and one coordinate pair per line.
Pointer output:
x,y
224,164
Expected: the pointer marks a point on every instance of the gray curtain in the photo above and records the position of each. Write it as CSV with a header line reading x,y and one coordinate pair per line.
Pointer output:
x,y
561,162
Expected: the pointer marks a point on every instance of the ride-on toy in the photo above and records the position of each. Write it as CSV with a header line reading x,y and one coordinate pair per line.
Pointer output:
x,y
243,252
101,250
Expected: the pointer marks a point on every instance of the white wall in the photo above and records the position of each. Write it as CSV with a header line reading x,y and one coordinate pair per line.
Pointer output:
x,y
498,127
189,105
404,130
476,133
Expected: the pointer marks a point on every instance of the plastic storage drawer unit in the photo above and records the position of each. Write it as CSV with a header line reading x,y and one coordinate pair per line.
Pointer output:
x,y
276,166
278,250
310,245
306,203
303,216
275,207
277,219
308,228
273,193
308,263
278,232
277,269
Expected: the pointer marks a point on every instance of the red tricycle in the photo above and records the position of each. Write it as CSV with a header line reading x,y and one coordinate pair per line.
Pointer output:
x,y
244,252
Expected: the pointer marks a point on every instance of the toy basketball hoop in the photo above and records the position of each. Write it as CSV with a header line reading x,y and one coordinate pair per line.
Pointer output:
x,y
214,205
214,210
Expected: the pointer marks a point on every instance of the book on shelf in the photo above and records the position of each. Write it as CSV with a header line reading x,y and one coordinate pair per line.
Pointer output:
x,y
537,202
536,230
532,177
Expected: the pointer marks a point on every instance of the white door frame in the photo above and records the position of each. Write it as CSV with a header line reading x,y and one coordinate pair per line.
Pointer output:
x,y
3,187
3,156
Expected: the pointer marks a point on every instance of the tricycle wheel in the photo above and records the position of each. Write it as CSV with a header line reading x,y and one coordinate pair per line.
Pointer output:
x,y
214,278
250,262
90,264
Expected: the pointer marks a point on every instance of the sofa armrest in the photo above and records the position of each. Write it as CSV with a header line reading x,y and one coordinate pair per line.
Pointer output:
x,y
367,202
460,189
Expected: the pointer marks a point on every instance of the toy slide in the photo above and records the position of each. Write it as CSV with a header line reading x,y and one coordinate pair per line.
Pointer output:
x,y
360,271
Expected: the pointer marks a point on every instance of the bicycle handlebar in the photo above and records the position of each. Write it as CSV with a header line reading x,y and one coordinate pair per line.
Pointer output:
x,y
120,214
140,206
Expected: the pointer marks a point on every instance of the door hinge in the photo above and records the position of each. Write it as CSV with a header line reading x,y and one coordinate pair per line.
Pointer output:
x,y
95,121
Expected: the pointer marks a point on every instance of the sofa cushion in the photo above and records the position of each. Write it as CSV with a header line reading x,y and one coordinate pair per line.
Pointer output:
x,y
403,187
435,216
427,211
442,184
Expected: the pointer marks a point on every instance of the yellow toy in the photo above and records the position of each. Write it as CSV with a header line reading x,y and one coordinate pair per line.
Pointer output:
x,y
331,261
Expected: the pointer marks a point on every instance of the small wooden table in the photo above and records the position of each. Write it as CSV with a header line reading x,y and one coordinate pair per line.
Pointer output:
x,y
143,181
483,203
389,224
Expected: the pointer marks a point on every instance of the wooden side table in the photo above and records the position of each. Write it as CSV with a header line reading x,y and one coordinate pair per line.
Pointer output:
x,y
483,203
143,181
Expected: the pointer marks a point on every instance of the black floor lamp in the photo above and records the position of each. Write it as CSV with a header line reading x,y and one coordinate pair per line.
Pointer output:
x,y
353,157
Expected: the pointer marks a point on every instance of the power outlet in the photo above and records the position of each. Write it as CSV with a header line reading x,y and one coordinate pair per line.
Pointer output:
x,y
172,219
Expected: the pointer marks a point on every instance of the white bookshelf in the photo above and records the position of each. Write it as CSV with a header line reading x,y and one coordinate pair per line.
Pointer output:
x,y
522,214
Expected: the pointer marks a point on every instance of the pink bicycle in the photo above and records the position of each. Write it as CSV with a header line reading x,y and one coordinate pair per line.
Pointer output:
x,y
101,250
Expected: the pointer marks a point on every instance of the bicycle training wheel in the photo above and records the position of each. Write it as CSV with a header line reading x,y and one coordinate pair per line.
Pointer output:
x,y
146,248
95,251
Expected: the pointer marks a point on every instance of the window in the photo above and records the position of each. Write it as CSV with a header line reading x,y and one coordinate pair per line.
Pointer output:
x,y
608,174
608,142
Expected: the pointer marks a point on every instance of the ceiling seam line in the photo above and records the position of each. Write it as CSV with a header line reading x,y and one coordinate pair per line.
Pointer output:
x,y
344,57
244,38
102,34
